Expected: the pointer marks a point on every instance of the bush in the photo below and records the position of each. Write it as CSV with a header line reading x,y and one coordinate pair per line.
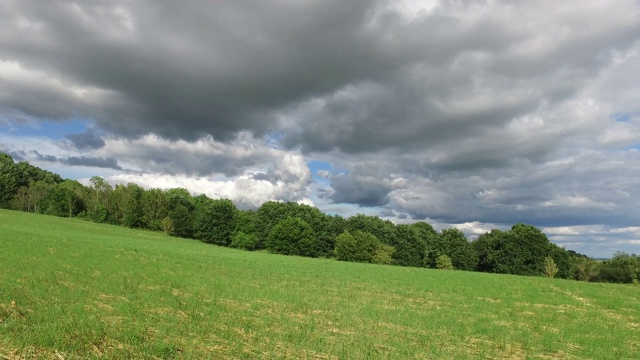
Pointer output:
x,y
550,267
383,254
444,262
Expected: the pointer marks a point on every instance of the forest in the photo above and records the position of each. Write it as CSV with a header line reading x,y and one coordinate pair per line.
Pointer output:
x,y
295,229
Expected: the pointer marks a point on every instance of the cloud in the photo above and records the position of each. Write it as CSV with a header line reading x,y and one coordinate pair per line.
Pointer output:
x,y
88,161
86,140
288,180
202,157
365,185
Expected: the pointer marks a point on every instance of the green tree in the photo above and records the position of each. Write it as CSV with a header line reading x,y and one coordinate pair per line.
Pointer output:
x,y
292,236
99,198
38,191
410,248
272,212
181,210
622,268
245,221
384,230
519,251
357,247
155,208
65,199
585,268
8,180
562,259
214,220
454,244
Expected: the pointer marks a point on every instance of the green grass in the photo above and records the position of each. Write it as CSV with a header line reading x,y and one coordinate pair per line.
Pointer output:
x,y
74,289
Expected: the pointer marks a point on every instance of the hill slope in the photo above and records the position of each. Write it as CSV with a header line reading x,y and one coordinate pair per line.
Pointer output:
x,y
75,289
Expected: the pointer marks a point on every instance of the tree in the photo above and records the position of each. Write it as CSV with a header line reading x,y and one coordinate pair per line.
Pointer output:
x,y
155,208
38,190
562,259
410,248
550,268
65,199
125,203
384,230
8,180
272,212
292,236
585,268
519,251
622,268
454,244
357,247
101,190
181,212
214,220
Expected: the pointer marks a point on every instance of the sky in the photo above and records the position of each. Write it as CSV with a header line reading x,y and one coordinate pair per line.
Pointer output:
x,y
467,114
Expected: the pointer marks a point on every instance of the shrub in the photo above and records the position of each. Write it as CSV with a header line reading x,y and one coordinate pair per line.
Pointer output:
x,y
550,268
383,254
444,262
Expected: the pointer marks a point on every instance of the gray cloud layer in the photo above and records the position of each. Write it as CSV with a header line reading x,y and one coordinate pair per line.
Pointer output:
x,y
450,111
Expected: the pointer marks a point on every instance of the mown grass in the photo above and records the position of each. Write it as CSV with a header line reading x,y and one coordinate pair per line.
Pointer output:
x,y
74,289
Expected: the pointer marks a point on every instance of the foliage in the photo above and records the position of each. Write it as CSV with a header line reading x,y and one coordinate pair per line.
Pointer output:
x,y
454,244
519,251
292,236
563,260
155,208
409,246
383,254
585,268
166,225
622,268
244,241
550,267
214,220
326,228
181,210
444,262
357,247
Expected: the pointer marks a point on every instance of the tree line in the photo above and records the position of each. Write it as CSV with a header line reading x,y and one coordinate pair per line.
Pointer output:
x,y
294,229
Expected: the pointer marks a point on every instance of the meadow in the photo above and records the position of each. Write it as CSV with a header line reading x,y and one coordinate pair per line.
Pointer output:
x,y
72,289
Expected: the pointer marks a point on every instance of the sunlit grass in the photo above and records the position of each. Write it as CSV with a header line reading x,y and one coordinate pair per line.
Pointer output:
x,y
75,289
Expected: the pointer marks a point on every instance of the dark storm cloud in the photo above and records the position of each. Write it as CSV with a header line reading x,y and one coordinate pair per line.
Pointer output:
x,y
86,140
353,76
89,161
108,163
183,70
366,185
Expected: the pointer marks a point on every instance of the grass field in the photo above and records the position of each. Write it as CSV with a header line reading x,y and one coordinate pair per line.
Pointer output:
x,y
71,289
